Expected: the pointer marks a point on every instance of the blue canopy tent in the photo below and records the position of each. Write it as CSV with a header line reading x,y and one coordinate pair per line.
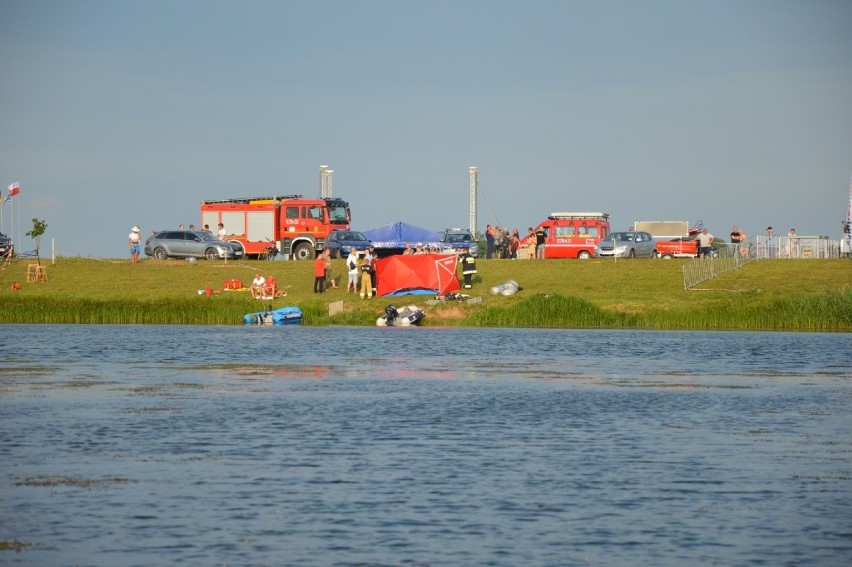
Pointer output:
x,y
393,237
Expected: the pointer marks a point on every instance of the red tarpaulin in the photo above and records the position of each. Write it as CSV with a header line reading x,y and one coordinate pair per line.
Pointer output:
x,y
417,274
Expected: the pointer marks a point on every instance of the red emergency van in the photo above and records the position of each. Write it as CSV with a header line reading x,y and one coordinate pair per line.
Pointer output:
x,y
572,235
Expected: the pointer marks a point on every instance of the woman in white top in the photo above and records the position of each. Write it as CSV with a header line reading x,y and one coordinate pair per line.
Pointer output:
x,y
133,239
352,269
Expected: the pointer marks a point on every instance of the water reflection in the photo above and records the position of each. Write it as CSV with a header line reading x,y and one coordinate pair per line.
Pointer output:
x,y
303,446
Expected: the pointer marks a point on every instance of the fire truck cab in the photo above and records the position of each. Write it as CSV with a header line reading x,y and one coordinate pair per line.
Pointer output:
x,y
573,235
298,226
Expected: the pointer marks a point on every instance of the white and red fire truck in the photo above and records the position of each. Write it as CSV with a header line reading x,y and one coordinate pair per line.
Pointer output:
x,y
573,235
298,226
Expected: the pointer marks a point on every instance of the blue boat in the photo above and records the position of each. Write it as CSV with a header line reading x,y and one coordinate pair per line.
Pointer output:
x,y
280,316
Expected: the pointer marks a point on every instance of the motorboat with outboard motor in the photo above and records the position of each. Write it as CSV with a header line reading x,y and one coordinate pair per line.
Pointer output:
x,y
402,317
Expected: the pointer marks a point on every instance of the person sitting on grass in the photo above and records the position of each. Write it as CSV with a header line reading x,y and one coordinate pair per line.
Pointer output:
x,y
256,287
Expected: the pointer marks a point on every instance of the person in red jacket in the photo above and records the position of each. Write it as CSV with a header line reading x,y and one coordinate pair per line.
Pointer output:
x,y
319,275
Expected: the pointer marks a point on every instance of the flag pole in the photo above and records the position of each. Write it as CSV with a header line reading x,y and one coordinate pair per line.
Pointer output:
x,y
11,233
12,225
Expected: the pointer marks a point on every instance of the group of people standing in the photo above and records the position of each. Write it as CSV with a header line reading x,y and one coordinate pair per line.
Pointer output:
x,y
420,249
221,234
500,244
788,247
739,243
323,279
361,270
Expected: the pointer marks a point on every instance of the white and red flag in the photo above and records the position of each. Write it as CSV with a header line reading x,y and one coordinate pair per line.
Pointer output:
x,y
14,189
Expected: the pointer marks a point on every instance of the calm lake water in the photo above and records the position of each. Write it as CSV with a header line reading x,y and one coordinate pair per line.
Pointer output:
x,y
174,445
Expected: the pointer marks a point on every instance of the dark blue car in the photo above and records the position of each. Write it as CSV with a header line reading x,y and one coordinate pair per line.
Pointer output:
x,y
340,242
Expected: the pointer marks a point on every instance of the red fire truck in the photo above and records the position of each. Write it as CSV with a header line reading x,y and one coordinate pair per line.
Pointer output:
x,y
298,226
573,235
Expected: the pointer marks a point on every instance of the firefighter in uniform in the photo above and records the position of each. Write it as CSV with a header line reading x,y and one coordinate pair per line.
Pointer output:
x,y
468,263
366,269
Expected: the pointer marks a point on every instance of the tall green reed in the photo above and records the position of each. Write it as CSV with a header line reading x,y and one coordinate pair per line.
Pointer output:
x,y
826,311
542,310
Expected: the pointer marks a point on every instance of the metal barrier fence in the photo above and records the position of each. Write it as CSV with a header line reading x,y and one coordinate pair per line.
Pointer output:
x,y
730,257
733,256
798,247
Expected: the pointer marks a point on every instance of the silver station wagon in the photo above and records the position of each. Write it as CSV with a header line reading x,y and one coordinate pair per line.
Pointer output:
x,y
190,244
627,245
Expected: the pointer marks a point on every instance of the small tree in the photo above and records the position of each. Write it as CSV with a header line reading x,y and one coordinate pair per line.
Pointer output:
x,y
39,226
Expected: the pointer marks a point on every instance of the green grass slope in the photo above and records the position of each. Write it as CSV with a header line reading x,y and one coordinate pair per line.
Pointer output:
x,y
808,295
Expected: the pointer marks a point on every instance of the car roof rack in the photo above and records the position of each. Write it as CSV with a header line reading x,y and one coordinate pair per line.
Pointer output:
x,y
582,215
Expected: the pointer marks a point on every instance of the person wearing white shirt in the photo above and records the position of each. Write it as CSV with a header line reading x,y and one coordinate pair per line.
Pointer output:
x,y
257,286
352,270
705,243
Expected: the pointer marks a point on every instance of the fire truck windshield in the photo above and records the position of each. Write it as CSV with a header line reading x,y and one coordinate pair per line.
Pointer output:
x,y
338,213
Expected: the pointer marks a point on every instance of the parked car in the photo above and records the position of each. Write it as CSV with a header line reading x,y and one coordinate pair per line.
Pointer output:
x,y
340,242
627,245
5,245
681,247
458,240
190,244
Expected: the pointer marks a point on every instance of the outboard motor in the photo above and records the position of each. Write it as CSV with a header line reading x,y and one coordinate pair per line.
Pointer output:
x,y
391,314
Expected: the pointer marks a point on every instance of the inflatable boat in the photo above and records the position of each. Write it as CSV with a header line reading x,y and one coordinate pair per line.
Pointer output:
x,y
402,317
511,287
280,316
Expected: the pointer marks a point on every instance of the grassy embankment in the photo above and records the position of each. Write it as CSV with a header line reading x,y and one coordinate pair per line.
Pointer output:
x,y
807,295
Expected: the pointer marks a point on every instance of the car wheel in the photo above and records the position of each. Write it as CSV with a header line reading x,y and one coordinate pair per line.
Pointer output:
x,y
632,253
160,253
335,253
667,256
304,251
211,254
584,255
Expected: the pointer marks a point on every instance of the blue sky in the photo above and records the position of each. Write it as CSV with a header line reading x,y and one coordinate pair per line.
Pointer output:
x,y
121,113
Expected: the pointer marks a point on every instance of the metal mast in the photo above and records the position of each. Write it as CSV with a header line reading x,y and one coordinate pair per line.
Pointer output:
x,y
473,187
325,177
847,224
